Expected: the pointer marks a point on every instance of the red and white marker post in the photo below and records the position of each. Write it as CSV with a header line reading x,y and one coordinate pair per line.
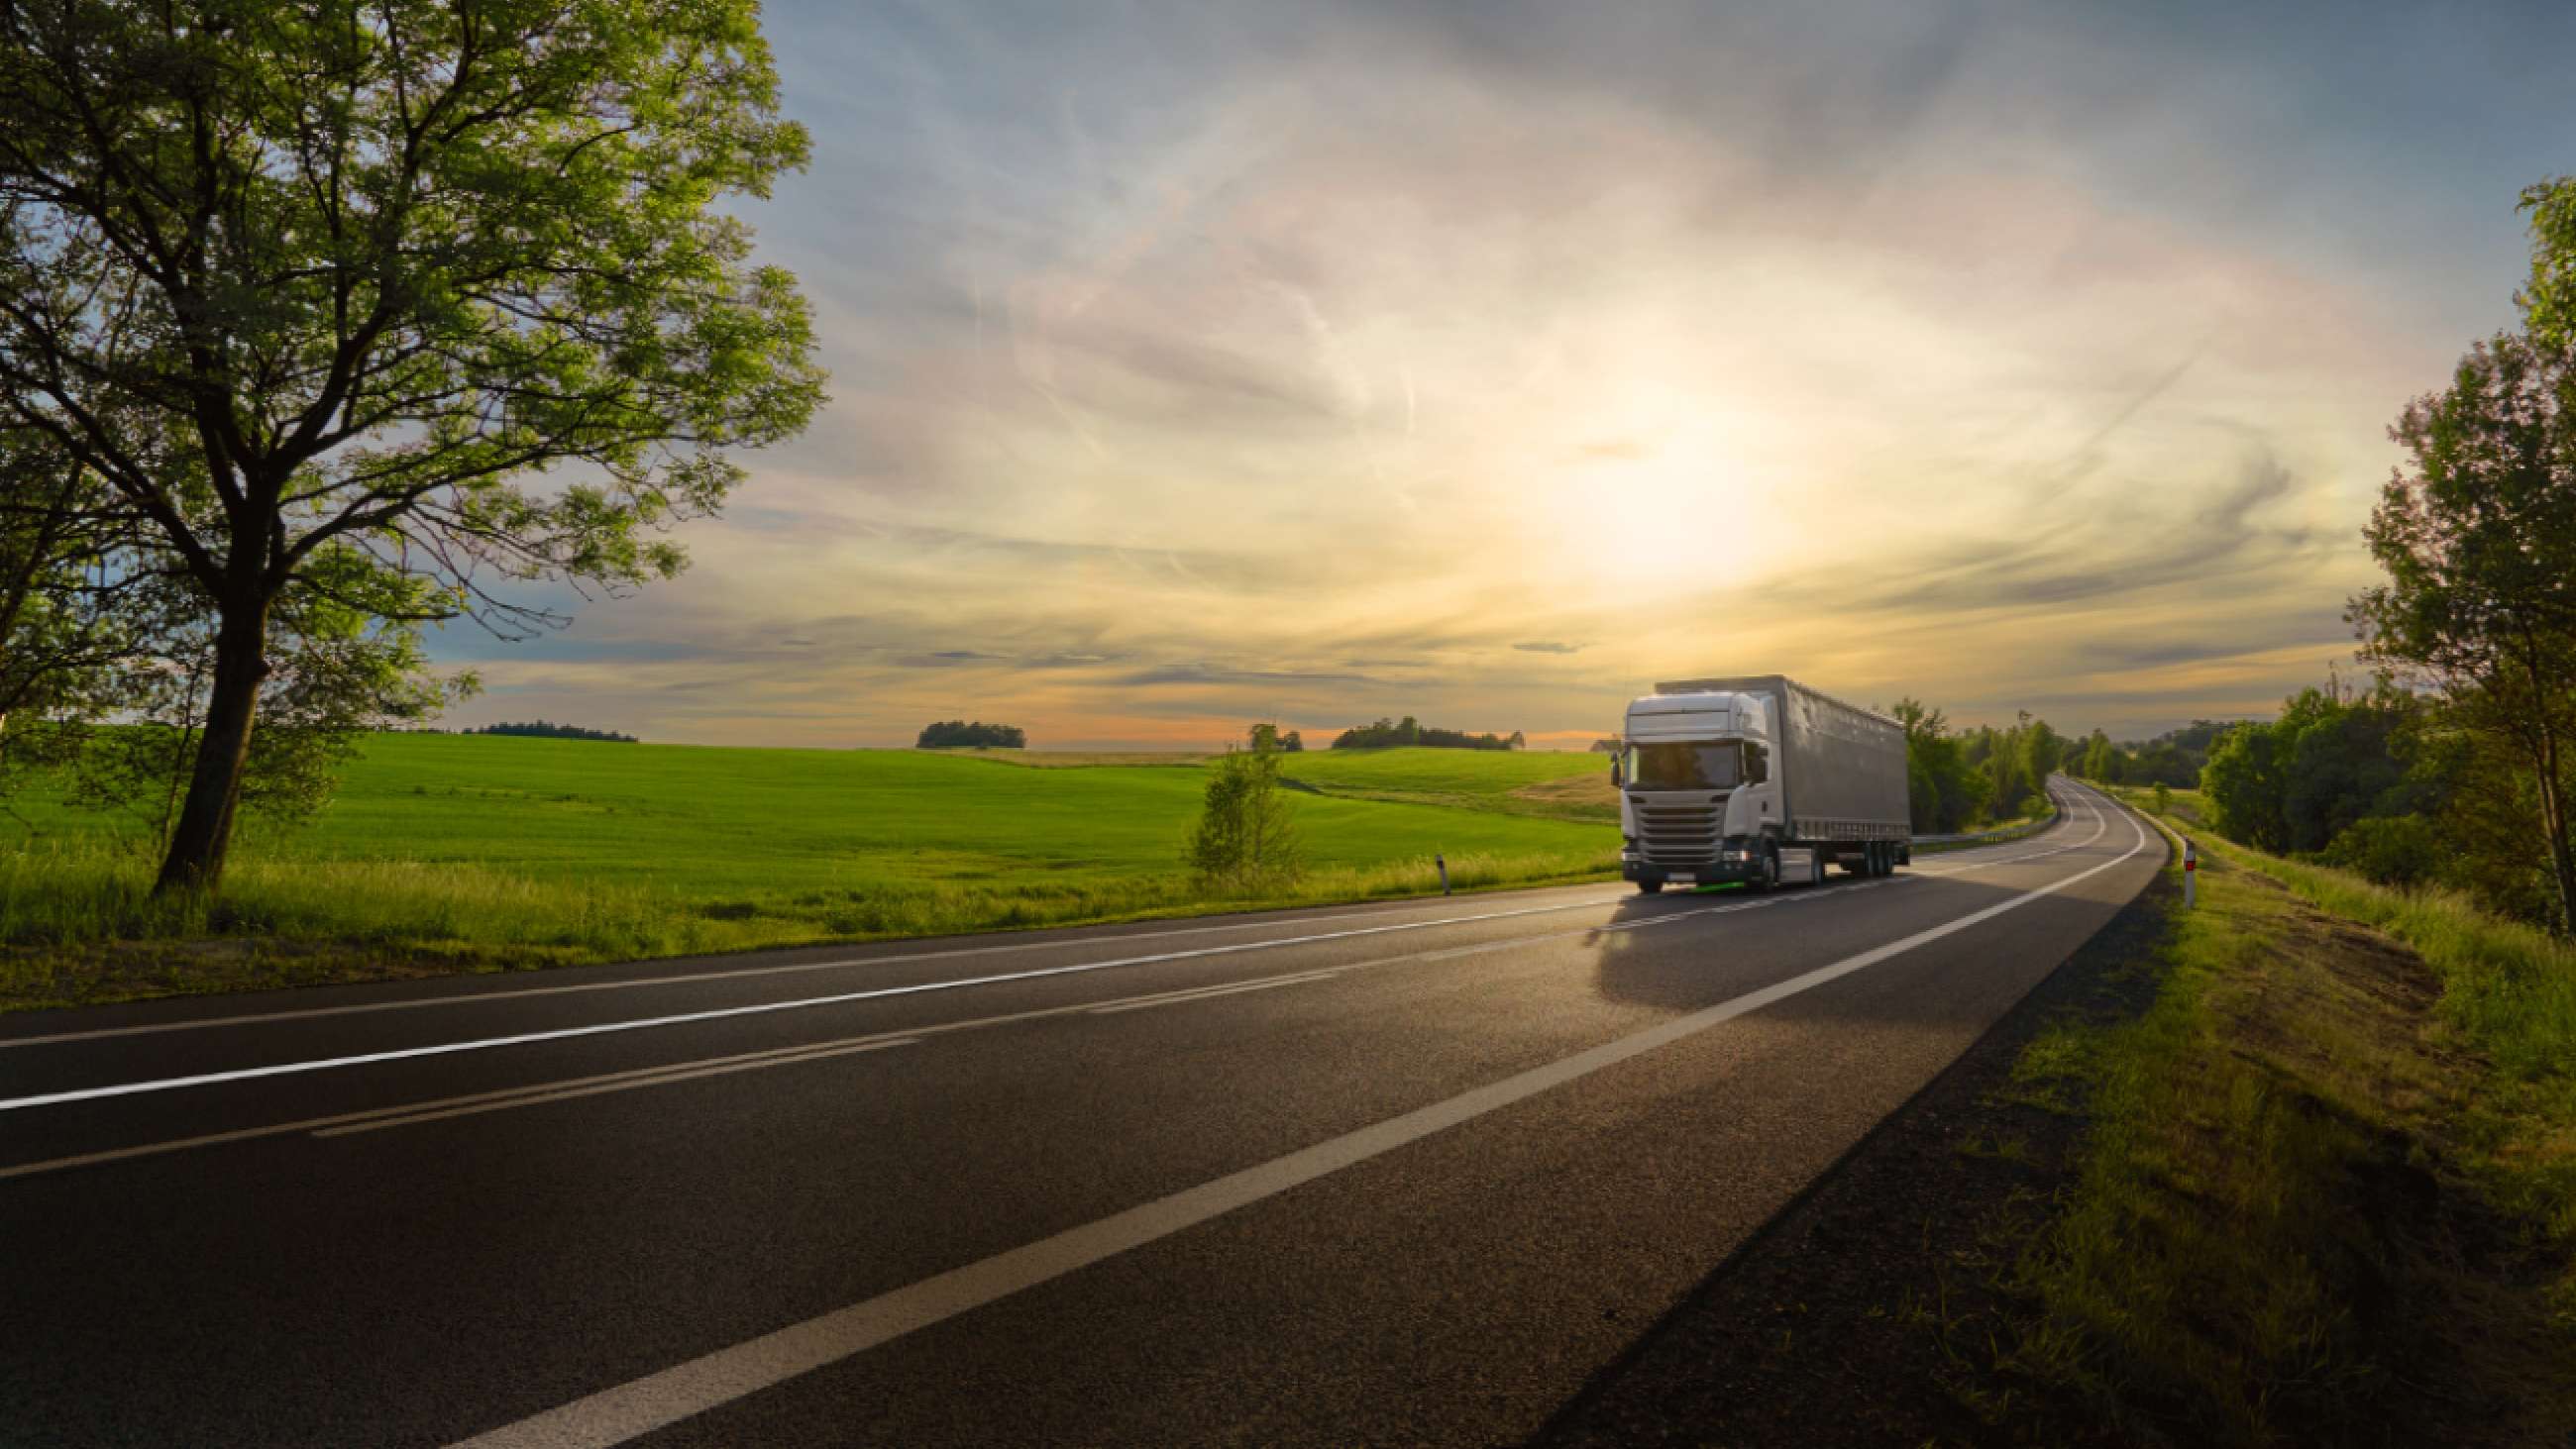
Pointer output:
x,y
2190,873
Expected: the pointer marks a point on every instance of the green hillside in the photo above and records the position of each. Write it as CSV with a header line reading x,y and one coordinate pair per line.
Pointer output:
x,y
1556,786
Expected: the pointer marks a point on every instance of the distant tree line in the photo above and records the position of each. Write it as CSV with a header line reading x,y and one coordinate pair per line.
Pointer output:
x,y
2171,759
1958,781
2393,784
547,730
957,733
1389,733
2457,767
1266,738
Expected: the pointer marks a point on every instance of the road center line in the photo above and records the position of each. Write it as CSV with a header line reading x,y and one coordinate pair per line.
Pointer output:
x,y
616,1415
1034,943
563,1092
532,1093
1175,998
281,1069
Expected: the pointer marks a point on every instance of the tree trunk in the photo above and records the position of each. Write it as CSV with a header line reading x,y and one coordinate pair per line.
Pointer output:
x,y
2553,819
205,828
2553,798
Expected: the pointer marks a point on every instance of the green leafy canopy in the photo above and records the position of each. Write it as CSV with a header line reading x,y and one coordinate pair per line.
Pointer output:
x,y
291,275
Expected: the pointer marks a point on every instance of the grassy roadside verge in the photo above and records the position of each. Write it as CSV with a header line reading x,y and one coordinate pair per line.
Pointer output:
x,y
2328,1188
79,927
2260,1173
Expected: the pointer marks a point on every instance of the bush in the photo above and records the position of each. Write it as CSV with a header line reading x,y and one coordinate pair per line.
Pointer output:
x,y
1245,841
2397,850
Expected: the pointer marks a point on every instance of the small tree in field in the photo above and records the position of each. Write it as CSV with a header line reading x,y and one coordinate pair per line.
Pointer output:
x,y
320,292
1246,840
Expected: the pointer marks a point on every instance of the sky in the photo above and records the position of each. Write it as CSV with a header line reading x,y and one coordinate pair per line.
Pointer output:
x,y
1488,362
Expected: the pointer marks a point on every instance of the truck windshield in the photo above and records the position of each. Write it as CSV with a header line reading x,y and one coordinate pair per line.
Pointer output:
x,y
1684,767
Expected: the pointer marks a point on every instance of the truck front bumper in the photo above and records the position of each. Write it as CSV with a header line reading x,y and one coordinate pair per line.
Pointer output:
x,y
1730,865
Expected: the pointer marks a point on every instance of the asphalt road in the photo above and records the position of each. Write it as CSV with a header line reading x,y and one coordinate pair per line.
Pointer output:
x,y
1406,1173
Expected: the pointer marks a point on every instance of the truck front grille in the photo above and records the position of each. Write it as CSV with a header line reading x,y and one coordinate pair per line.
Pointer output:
x,y
1677,834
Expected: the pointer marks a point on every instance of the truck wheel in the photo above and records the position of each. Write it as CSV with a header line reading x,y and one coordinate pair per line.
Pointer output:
x,y
1650,887
1769,875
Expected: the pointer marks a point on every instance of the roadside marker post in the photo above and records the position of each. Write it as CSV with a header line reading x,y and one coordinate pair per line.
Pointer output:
x,y
2190,873
1442,861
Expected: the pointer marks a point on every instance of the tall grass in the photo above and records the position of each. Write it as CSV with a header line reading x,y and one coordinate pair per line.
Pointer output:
x,y
2509,986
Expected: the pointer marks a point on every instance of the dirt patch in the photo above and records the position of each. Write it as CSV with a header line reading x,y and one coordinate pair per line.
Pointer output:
x,y
1590,792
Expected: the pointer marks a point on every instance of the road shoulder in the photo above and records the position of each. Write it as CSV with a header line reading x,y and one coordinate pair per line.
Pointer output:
x,y
1840,1322
2232,1175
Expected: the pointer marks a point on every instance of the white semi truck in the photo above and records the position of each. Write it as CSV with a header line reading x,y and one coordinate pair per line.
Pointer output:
x,y
1757,779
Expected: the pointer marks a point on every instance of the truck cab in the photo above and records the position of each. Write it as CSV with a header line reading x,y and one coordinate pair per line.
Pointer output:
x,y
1699,795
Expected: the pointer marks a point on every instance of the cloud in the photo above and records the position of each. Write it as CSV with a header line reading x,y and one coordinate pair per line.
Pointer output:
x,y
1195,363
944,659
1204,674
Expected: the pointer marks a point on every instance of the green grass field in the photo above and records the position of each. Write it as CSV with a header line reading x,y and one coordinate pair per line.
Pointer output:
x,y
1561,786
447,851
1553,786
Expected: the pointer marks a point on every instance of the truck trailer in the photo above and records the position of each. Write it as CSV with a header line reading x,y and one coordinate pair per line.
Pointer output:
x,y
1757,779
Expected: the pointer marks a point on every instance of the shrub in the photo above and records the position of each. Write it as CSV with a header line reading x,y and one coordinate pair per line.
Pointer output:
x,y
2398,850
1245,840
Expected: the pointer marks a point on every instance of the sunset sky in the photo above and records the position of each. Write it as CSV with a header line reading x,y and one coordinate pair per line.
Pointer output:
x,y
1487,362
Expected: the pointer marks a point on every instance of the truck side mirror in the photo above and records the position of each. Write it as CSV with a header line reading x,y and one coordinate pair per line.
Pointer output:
x,y
1618,773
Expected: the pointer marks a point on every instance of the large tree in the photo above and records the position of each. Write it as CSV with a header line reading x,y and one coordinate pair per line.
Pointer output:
x,y
2478,538
74,619
2549,300
396,304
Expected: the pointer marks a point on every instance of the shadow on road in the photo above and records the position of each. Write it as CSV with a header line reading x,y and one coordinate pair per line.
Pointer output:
x,y
1729,941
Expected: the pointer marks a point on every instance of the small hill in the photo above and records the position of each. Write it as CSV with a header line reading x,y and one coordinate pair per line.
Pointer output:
x,y
1514,782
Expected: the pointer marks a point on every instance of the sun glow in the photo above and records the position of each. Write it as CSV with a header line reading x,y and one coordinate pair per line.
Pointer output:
x,y
1659,495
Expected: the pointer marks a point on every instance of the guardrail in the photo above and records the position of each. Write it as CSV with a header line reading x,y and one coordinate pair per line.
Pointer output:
x,y
1988,837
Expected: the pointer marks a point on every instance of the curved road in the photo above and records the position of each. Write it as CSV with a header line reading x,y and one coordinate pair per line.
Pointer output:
x,y
1406,1173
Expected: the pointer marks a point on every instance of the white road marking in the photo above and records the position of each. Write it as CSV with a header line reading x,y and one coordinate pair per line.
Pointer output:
x,y
561,1092
616,1415
167,1083
505,1096
1034,943
1205,992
